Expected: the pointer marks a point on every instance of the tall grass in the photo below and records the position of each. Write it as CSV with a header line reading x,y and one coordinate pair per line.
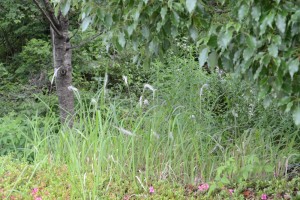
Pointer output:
x,y
180,136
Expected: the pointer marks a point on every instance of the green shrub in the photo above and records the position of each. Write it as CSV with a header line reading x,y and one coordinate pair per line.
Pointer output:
x,y
34,58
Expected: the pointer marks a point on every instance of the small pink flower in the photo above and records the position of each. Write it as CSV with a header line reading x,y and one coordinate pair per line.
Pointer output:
x,y
231,191
264,197
203,187
151,190
38,198
34,191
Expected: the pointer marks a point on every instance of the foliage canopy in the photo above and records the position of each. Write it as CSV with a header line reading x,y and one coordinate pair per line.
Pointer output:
x,y
259,41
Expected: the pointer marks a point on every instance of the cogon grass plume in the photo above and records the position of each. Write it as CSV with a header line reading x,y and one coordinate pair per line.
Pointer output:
x,y
124,131
202,88
125,80
150,87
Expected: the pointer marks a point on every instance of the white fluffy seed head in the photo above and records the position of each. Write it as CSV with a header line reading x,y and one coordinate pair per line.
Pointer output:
x,y
141,101
125,80
146,102
93,101
235,114
124,131
202,88
54,75
72,88
170,135
155,134
105,80
150,87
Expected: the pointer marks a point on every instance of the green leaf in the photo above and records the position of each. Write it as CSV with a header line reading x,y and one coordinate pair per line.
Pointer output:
x,y
277,1
193,33
56,10
248,53
263,27
108,20
174,31
66,7
203,56
269,168
293,66
222,1
136,15
267,21
245,65
270,18
237,56
284,101
212,59
153,46
273,50
265,60
175,18
288,107
276,39
130,29
85,23
256,75
225,180
163,12
264,89
296,116
212,188
145,32
224,39
212,41
251,42
121,39
295,17
267,102
245,175
190,5
242,12
281,23
256,12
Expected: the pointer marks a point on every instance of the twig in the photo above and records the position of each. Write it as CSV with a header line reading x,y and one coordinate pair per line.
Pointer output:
x,y
74,34
86,41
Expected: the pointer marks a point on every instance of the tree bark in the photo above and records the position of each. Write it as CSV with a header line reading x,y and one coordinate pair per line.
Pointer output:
x,y
62,56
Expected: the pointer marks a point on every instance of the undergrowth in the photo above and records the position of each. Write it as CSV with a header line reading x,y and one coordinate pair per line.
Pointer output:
x,y
187,129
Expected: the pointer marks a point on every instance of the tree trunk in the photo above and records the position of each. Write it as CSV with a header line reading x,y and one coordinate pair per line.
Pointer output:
x,y
62,55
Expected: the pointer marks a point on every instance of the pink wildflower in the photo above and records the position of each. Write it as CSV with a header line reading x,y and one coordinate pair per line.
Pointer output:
x,y
264,197
203,187
34,191
38,198
151,190
231,191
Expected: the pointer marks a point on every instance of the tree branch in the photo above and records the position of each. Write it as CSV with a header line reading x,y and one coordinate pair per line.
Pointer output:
x,y
74,34
51,12
52,24
86,41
